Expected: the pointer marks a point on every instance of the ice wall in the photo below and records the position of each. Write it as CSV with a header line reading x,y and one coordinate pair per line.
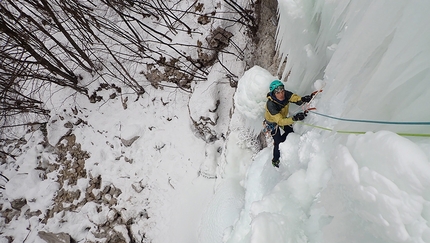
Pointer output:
x,y
373,57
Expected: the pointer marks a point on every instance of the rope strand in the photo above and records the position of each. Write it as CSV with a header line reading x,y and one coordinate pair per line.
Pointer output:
x,y
370,121
306,108
360,132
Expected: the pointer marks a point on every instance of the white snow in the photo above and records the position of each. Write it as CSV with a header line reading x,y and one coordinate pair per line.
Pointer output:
x,y
364,184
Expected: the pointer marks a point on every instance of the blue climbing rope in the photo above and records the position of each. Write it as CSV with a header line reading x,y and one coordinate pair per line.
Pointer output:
x,y
312,110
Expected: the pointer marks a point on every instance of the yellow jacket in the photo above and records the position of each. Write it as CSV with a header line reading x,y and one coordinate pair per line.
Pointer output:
x,y
277,111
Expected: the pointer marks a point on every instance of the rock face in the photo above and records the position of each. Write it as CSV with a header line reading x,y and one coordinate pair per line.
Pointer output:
x,y
265,54
54,238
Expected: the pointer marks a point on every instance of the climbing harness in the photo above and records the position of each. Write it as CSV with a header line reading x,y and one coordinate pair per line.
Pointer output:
x,y
269,129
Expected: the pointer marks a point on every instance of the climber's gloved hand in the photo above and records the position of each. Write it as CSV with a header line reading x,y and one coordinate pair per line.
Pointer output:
x,y
299,116
307,98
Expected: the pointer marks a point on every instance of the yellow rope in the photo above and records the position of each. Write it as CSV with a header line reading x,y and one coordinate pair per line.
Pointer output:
x,y
358,132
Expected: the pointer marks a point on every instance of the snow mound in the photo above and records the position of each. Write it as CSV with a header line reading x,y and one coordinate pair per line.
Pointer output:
x,y
250,97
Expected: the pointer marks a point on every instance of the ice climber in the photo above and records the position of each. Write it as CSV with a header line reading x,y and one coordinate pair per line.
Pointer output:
x,y
278,100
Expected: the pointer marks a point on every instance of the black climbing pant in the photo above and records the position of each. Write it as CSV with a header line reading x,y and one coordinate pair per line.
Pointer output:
x,y
278,138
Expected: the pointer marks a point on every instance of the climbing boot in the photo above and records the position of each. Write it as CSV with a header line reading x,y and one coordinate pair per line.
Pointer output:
x,y
275,163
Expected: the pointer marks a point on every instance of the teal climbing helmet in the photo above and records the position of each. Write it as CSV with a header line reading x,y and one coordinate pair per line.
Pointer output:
x,y
275,84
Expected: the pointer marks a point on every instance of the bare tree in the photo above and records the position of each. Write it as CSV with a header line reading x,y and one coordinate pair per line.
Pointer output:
x,y
44,42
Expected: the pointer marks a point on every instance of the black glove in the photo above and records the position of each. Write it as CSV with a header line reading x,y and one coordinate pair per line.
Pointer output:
x,y
299,116
307,98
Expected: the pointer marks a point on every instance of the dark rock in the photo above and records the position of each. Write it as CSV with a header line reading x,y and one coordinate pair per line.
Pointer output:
x,y
54,238
18,203
68,125
129,142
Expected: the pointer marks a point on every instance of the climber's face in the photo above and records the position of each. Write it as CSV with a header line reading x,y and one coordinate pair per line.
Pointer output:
x,y
280,93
